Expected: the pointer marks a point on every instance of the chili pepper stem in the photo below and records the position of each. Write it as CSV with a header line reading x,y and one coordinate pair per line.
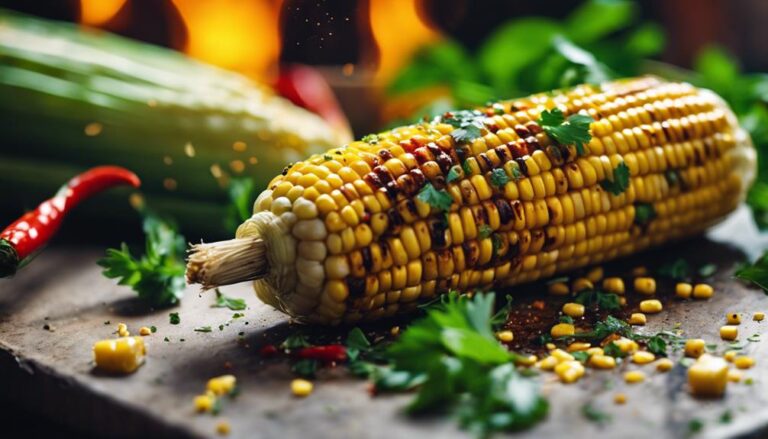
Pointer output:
x,y
227,262
9,259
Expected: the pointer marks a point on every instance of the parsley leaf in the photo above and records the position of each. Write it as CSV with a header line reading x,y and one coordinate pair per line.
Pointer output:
x,y
657,345
677,270
295,341
484,231
158,276
644,213
439,199
233,303
601,300
468,124
305,368
499,178
573,131
613,350
756,273
371,138
453,174
620,180
604,328
174,318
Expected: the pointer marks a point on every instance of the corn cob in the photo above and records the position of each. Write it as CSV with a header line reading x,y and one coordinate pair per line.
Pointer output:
x,y
344,237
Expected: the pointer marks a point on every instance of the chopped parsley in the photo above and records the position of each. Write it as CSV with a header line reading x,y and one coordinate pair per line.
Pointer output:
x,y
305,368
581,356
453,174
756,273
484,231
571,131
203,329
644,213
599,299
604,328
295,341
153,329
468,124
594,415
439,199
499,178
233,303
174,318
566,319
678,269
371,138
619,181
613,350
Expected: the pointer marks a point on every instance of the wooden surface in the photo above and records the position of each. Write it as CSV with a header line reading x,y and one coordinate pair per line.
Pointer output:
x,y
50,371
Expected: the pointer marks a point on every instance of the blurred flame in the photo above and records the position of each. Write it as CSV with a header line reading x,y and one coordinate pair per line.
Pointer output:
x,y
234,34
399,32
98,12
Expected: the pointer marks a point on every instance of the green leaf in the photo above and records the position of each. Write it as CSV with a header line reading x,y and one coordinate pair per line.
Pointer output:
x,y
441,63
370,138
574,131
600,299
439,199
613,350
718,69
468,124
233,303
241,197
707,270
595,19
644,213
499,178
203,329
657,345
566,319
305,368
619,181
594,415
484,231
589,70
647,40
174,318
453,174
756,273
679,270
295,341
581,356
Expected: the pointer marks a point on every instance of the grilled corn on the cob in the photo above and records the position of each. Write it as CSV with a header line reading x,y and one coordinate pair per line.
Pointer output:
x,y
351,234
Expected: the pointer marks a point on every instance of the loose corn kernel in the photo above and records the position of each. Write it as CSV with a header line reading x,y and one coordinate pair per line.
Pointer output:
x,y
558,289
548,363
694,347
562,330
702,291
634,376
613,285
550,346
639,271
730,355
204,403
582,284
223,428
145,331
744,362
651,306
505,336
626,345
595,351
637,318
643,357
569,371
119,355
574,310
600,361
221,385
645,285
758,316
301,388
729,332
561,355
708,376
734,376
578,346
594,275
396,330
664,365
623,301
733,318
620,398
122,330
683,290
526,360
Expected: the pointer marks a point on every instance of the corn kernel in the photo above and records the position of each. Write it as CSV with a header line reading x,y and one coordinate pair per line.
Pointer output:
x,y
613,285
594,275
626,345
734,376
578,346
600,361
708,376
505,336
221,385
637,318
223,428
558,289
694,347
120,355
550,346
122,330
651,306
683,290
561,355
562,330
639,271
301,388
643,357
548,363
204,403
758,316
733,318
729,332
702,291
569,371
645,285
582,284
145,331
595,351
664,365
730,355
574,310
744,362
634,376
526,360
620,398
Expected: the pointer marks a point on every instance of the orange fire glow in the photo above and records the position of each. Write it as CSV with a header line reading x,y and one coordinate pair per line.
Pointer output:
x,y
98,12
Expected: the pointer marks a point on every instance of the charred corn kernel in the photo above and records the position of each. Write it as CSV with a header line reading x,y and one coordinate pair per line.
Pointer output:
x,y
582,284
561,355
569,371
643,357
734,376
645,285
578,346
505,336
708,376
683,290
733,318
702,291
301,388
119,355
694,347
574,310
595,351
562,330
145,331
122,330
637,318
526,360
558,289
639,271
626,345
729,332
730,355
634,376
601,361
204,403
548,363
595,275
744,362
664,365
223,428
758,316
620,398
613,285
651,306
222,385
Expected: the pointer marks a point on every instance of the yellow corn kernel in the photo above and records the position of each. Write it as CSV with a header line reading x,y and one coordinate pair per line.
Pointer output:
x,y
558,289
623,301
708,376
733,318
600,361
637,318
626,345
730,355
562,330
119,355
613,285
595,351
683,290
550,346
729,332
594,275
578,346
639,271
548,363
526,360
560,355
582,284
122,330
204,403
758,316
643,357
702,291
651,306
664,365
620,398
645,285
223,428
221,385
734,376
569,371
145,331
505,336
301,388
744,362
694,347
574,310
634,376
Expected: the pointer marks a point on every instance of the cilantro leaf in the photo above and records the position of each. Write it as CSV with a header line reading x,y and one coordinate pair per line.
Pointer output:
x,y
499,178
371,138
574,131
657,345
604,328
756,273
174,318
677,270
233,303
468,124
620,180
439,199
613,350
644,213
453,174
601,300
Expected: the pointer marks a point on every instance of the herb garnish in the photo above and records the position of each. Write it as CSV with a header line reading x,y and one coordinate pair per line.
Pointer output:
x,y
439,199
599,299
619,181
499,178
644,213
468,124
233,303
241,198
203,329
371,138
594,415
756,273
453,174
678,269
573,131
174,318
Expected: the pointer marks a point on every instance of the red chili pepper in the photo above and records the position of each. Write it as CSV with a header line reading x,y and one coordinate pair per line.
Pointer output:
x,y
331,352
34,229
